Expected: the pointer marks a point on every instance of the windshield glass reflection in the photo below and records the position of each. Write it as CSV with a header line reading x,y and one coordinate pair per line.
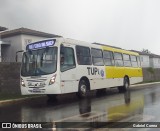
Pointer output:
x,y
39,62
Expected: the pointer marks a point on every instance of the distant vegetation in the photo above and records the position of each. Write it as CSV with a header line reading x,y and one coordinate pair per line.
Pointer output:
x,y
151,70
146,51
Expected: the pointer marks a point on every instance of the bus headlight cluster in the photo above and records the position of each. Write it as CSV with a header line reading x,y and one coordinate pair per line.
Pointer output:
x,y
52,80
22,82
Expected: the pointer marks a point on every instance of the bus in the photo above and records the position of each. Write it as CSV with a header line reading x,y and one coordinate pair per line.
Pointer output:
x,y
59,65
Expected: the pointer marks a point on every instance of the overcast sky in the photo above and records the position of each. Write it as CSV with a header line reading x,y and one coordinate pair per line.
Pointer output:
x,y
129,24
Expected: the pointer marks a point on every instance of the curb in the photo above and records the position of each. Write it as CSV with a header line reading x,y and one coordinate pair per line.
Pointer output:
x,y
145,84
17,100
34,97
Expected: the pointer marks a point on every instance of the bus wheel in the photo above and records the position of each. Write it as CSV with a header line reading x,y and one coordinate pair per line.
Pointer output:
x,y
83,90
125,87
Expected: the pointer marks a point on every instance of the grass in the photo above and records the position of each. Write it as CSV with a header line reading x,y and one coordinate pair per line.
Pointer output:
x,y
7,96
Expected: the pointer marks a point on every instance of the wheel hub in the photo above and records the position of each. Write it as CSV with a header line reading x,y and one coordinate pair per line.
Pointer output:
x,y
126,85
83,89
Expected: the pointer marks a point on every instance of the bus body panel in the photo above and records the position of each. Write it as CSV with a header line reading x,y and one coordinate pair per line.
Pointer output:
x,y
32,81
40,85
70,78
99,77
134,74
68,81
120,72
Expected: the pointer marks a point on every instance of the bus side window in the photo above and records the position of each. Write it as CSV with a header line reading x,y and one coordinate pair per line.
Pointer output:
x,y
83,55
139,63
67,59
118,59
108,58
134,61
126,59
97,57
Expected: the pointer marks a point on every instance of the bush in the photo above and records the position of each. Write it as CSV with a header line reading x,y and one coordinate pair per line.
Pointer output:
x,y
151,70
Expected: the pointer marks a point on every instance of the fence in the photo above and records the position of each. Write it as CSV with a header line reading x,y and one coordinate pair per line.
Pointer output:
x,y
10,59
10,77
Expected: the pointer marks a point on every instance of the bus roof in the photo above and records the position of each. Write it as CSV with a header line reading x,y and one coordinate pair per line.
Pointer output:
x,y
119,50
93,45
100,46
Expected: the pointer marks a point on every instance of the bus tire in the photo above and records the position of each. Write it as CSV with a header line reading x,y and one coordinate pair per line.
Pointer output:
x,y
83,89
125,86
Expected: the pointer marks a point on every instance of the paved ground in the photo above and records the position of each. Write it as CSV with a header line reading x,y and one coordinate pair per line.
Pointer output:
x,y
140,104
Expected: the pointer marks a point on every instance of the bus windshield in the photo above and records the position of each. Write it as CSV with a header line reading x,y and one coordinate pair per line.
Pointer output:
x,y
39,62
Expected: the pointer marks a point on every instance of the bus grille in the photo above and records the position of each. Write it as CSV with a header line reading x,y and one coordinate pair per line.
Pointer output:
x,y
40,79
38,82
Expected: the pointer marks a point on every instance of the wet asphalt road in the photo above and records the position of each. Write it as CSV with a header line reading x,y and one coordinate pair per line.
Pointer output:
x,y
139,104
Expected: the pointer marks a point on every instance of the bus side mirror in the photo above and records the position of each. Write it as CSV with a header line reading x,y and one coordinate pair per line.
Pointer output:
x,y
62,49
16,58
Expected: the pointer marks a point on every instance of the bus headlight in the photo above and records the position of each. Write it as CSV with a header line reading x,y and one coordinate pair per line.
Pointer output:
x,y
52,80
22,82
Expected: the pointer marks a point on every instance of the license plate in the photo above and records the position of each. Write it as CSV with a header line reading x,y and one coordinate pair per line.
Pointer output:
x,y
36,91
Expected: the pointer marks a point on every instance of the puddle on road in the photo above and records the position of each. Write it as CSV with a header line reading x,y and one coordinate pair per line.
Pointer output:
x,y
130,111
135,106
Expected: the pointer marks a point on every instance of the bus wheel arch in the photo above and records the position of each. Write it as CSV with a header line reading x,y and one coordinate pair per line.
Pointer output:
x,y
126,84
83,88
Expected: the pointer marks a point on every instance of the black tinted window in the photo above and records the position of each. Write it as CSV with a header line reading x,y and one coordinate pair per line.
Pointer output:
x,y
134,61
97,58
126,59
67,60
108,58
83,55
118,59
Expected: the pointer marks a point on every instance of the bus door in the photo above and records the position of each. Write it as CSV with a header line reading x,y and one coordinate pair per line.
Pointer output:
x,y
67,68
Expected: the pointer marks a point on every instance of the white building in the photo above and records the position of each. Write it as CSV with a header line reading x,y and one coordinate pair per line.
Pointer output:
x,y
145,60
155,61
149,59
14,41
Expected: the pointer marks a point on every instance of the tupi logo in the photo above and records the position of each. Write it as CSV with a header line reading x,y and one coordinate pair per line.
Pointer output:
x,y
95,71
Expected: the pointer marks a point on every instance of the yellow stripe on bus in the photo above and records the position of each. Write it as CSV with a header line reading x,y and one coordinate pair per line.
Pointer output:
x,y
120,72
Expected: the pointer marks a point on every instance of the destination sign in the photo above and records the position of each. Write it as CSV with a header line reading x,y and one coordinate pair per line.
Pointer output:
x,y
41,44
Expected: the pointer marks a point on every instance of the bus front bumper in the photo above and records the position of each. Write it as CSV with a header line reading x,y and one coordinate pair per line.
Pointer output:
x,y
50,89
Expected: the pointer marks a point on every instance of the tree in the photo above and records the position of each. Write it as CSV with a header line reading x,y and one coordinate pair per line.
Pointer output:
x,y
146,51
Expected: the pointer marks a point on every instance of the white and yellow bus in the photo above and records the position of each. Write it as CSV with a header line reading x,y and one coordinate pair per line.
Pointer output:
x,y
59,66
